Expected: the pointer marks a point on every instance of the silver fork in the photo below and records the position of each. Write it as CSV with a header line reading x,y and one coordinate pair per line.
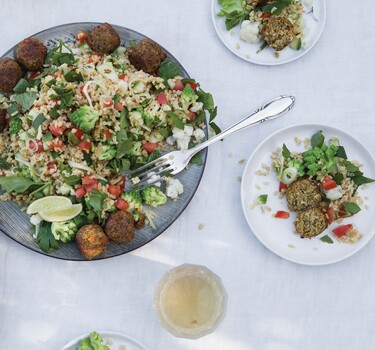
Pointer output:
x,y
176,161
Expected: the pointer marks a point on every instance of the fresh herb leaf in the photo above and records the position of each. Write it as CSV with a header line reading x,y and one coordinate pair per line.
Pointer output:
x,y
38,121
341,152
124,119
116,99
51,82
213,113
73,139
317,140
361,180
72,76
175,120
230,5
124,147
54,112
215,128
95,201
60,54
197,159
21,86
262,199
18,184
45,239
351,208
4,163
72,180
326,239
168,70
26,100
13,110
262,47
276,7
285,152
206,98
233,18
338,177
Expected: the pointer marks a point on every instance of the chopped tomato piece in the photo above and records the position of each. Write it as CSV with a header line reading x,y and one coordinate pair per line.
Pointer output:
x,y
114,190
57,144
330,215
94,57
282,186
178,85
40,146
81,90
123,76
192,84
81,36
57,130
266,15
121,204
150,147
51,167
118,106
192,116
36,147
90,182
34,75
57,74
107,133
80,192
91,186
108,102
342,212
340,231
162,99
328,183
78,133
85,145
88,179
282,214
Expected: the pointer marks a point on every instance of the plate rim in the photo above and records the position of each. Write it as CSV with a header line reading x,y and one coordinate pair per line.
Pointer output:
x,y
276,63
204,152
104,333
258,236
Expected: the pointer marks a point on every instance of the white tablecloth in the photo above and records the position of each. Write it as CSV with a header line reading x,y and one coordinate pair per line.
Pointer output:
x,y
273,304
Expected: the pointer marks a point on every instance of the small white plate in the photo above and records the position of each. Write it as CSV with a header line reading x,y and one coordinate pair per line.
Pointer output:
x,y
277,234
116,341
248,51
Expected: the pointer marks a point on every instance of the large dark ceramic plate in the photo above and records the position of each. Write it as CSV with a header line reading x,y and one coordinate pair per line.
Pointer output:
x,y
15,224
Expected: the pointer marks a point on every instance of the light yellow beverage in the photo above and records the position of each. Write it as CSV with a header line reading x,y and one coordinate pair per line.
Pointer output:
x,y
190,301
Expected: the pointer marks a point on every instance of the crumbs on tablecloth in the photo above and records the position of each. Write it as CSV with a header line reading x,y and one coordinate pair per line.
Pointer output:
x,y
239,179
307,142
297,140
238,46
291,246
201,226
242,161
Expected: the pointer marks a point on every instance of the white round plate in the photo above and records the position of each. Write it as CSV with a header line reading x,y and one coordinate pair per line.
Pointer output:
x,y
248,51
116,340
277,234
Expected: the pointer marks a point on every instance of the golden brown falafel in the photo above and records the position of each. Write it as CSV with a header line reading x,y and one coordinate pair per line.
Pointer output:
x,y
104,39
303,194
278,32
120,227
311,222
147,55
91,241
10,73
3,119
31,54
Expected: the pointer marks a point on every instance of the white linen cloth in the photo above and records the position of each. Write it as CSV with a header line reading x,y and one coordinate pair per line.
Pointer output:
x,y
273,304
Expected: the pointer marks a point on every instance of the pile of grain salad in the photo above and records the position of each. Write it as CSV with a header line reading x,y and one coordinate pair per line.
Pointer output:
x,y
320,185
89,112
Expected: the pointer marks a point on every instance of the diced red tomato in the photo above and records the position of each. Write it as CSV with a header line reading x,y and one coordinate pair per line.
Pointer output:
x,y
118,106
57,74
94,57
34,75
282,186
121,204
266,15
193,85
123,76
342,212
81,36
340,231
33,145
86,180
150,147
94,185
114,190
85,145
178,85
282,214
107,134
51,167
330,215
40,146
107,102
57,130
90,182
81,90
78,133
57,144
80,192
328,183
162,99
192,115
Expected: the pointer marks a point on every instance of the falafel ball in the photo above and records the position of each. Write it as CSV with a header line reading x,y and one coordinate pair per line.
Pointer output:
x,y
147,55
310,222
3,119
303,194
104,39
278,32
31,54
140,223
10,73
120,227
91,241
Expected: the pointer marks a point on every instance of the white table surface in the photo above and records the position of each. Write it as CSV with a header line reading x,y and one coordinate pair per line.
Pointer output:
x,y
273,304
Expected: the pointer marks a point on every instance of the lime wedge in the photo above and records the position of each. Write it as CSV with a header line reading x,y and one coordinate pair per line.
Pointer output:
x,y
62,214
48,203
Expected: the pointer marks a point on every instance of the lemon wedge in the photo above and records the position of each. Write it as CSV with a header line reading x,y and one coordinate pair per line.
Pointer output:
x,y
62,214
48,203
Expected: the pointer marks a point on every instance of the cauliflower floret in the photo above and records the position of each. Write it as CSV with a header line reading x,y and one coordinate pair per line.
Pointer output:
x,y
171,140
174,188
199,135
135,118
334,193
183,137
250,32
197,106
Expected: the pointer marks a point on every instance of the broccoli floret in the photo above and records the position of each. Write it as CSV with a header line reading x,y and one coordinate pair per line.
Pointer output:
x,y
153,196
107,152
64,231
85,118
148,118
300,167
136,150
188,97
15,126
134,199
320,160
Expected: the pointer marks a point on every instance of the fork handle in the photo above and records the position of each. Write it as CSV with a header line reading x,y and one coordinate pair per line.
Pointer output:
x,y
272,109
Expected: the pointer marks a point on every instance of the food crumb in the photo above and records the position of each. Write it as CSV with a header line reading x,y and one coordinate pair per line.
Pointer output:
x,y
201,226
265,209
122,347
365,187
110,342
248,56
241,161
306,142
366,207
297,140
232,33
258,187
291,246
277,54
266,183
238,46
366,198
239,178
